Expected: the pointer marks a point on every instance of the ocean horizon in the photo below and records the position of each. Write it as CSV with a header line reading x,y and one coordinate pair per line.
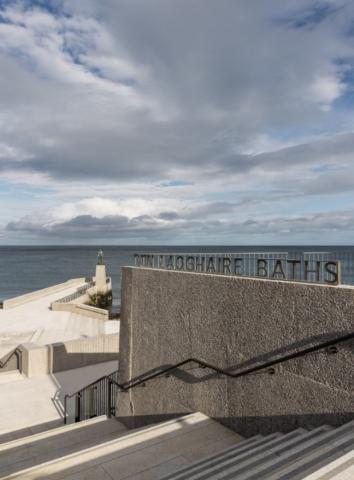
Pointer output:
x,y
28,268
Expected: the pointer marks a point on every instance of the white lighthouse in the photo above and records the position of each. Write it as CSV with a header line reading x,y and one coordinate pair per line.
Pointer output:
x,y
101,277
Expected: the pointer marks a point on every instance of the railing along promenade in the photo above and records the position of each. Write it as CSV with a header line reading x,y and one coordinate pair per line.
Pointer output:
x,y
329,267
77,294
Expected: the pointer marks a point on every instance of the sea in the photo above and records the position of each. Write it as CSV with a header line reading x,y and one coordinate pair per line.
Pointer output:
x,y
27,268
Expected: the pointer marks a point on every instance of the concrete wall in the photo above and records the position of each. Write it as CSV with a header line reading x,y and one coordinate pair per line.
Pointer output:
x,y
168,316
93,291
44,359
28,297
81,305
82,309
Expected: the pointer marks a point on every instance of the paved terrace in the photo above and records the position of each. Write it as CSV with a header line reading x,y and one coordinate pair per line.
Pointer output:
x,y
44,398
34,322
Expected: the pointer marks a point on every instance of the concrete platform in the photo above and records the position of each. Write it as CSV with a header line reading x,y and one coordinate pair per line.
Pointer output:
x,y
34,322
28,405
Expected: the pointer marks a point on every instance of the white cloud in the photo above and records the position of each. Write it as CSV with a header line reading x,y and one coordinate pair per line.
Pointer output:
x,y
120,110
327,89
55,48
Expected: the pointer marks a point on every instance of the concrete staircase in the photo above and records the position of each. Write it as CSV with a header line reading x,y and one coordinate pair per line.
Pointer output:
x,y
101,448
319,454
192,447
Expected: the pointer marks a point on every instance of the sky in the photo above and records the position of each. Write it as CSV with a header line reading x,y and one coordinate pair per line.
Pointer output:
x,y
177,122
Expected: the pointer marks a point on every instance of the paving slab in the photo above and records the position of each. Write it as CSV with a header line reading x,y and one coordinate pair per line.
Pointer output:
x,y
37,402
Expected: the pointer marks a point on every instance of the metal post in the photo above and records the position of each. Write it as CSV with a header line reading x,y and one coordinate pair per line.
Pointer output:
x,y
19,360
109,413
65,408
78,408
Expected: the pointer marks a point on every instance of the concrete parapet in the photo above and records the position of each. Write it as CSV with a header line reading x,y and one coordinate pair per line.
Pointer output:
x,y
28,297
235,322
82,309
57,357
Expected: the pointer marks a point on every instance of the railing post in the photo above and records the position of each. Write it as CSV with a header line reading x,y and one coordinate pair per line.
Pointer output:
x,y
109,413
65,408
78,408
19,353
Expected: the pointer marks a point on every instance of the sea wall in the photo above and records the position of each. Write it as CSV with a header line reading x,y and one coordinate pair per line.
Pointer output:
x,y
56,357
234,322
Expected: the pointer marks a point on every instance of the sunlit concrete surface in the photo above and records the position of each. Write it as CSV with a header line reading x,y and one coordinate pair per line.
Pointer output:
x,y
35,322
33,403
103,449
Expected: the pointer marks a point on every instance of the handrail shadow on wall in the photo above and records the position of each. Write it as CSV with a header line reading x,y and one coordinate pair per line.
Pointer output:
x,y
243,369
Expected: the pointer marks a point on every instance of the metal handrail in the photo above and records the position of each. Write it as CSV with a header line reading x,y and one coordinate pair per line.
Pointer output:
x,y
329,344
265,365
90,385
77,294
18,352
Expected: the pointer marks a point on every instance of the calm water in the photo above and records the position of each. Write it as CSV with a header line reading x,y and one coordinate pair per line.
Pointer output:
x,y
24,269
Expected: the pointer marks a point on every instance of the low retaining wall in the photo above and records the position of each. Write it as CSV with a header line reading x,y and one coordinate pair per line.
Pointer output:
x,y
28,297
81,306
82,309
235,322
45,359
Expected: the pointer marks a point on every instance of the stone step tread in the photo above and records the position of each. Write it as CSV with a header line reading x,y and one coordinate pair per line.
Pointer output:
x,y
63,429
45,450
136,451
273,459
231,463
298,455
11,435
317,459
262,462
344,465
241,467
235,452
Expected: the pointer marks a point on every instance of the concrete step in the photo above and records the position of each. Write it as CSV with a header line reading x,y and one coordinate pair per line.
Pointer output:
x,y
262,466
238,451
234,466
10,435
340,469
238,466
54,432
146,453
328,448
29,451
239,448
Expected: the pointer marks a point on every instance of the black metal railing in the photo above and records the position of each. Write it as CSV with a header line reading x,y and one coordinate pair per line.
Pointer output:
x,y
15,353
112,385
278,265
97,398
77,294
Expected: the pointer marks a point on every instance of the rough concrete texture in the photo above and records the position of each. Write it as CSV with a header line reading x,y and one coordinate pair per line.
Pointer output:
x,y
60,356
230,322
